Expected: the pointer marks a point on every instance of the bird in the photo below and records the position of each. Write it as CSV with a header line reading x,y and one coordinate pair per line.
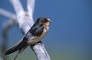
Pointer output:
x,y
34,35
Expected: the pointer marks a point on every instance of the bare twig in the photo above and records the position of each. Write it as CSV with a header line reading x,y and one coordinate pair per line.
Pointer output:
x,y
6,27
30,7
40,51
5,30
23,19
7,14
17,7
25,22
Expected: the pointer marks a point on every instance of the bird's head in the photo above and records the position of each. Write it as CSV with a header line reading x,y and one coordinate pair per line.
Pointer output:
x,y
42,20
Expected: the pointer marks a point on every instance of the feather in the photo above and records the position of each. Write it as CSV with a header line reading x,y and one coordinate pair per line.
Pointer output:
x,y
21,46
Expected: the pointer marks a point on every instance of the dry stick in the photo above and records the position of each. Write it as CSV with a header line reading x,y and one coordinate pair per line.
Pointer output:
x,y
5,30
7,26
25,21
41,52
7,14
38,48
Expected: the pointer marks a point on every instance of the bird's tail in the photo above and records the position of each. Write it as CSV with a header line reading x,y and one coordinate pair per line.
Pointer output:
x,y
11,50
21,46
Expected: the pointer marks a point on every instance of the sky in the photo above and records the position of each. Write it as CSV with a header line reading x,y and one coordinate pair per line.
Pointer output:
x,y
70,34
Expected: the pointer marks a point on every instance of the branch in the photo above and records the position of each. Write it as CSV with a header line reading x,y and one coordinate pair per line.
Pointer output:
x,y
5,30
25,22
7,14
17,7
6,27
38,48
23,19
40,51
30,7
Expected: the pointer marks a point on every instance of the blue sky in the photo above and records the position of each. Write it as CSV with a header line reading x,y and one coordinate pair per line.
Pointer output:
x,y
70,31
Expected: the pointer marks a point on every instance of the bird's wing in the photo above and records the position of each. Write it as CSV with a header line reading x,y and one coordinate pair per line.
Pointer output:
x,y
37,30
20,46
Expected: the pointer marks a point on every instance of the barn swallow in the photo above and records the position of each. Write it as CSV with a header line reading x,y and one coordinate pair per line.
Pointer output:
x,y
34,35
